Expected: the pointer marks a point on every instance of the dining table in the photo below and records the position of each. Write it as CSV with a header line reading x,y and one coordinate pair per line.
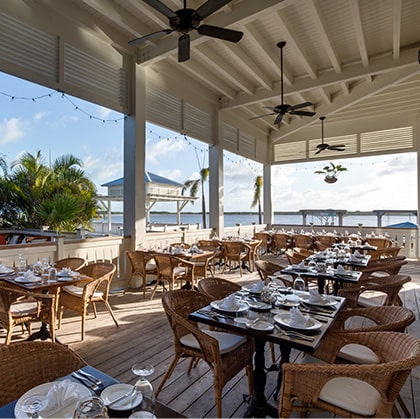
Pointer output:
x,y
161,410
42,284
268,322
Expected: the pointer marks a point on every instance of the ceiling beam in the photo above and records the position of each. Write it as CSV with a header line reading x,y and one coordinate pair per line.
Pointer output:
x,y
358,30
349,74
396,28
360,92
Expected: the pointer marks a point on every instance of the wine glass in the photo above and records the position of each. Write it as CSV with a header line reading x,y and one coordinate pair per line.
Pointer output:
x,y
143,385
32,405
299,284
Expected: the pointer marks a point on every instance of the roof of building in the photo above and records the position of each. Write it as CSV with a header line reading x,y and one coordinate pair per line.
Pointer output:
x,y
148,178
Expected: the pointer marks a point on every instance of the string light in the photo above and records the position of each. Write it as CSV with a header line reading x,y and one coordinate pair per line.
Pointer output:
x,y
63,96
189,142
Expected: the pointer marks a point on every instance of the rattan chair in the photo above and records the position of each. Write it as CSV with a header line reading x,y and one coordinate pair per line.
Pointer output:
x,y
235,251
383,267
24,365
280,242
172,269
362,390
377,291
203,265
266,268
96,290
380,242
265,238
21,307
226,353
217,288
254,246
303,241
73,263
142,264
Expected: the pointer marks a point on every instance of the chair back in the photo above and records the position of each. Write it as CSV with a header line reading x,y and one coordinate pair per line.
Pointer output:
x,y
281,242
303,241
25,365
380,242
165,265
265,268
102,274
73,263
209,244
217,288
138,260
235,249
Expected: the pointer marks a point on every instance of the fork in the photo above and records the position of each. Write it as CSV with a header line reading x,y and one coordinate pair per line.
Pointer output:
x,y
293,334
89,384
90,377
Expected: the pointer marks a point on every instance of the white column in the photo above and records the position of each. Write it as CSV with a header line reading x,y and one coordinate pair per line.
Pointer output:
x,y
267,201
216,188
134,161
417,147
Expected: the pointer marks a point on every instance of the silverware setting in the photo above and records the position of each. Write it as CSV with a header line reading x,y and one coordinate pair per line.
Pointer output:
x,y
214,315
293,334
87,383
128,395
90,377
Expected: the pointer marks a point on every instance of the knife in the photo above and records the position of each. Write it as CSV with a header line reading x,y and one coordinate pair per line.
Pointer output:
x,y
93,387
90,377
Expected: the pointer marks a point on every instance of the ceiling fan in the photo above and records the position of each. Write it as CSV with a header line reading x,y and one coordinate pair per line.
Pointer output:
x,y
184,20
284,108
323,146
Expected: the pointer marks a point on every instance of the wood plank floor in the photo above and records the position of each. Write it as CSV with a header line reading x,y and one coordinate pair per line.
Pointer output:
x,y
144,335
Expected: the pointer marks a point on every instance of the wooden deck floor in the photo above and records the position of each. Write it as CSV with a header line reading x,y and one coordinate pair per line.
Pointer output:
x,y
144,335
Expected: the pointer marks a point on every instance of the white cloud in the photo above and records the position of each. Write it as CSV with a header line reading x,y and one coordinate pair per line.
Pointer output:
x,y
12,130
103,112
40,115
162,149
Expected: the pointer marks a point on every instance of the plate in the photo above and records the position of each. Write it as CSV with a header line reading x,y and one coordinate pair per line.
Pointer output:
x,y
65,278
284,320
259,305
216,305
325,303
7,271
23,280
117,390
260,325
66,412
66,274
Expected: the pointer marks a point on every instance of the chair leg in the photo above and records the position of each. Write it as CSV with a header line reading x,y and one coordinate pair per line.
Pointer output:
x,y
108,306
403,406
158,281
167,374
128,284
83,323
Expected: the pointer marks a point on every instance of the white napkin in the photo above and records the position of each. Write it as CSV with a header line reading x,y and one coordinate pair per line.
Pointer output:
x,y
60,395
314,296
297,318
256,289
354,258
358,254
3,269
29,276
229,303
341,271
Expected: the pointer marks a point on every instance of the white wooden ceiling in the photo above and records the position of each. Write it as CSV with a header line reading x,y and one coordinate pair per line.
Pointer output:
x,y
357,61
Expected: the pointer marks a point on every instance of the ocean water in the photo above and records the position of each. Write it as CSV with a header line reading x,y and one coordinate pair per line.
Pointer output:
x,y
289,219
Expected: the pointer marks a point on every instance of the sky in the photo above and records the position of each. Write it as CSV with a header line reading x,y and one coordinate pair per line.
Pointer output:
x,y
34,117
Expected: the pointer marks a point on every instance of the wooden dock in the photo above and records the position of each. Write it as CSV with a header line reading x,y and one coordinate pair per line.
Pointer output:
x,y
144,335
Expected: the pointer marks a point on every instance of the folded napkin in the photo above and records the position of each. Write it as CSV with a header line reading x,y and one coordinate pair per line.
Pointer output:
x,y
229,303
354,258
341,271
29,276
358,254
297,318
314,296
4,269
60,395
256,289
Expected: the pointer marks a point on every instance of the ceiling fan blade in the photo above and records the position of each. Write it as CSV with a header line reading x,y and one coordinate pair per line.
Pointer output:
x,y
278,119
184,48
221,33
321,149
338,145
336,148
150,36
160,7
303,113
302,105
209,7
261,116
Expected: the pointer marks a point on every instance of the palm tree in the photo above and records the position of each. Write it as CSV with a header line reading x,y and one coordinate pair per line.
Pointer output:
x,y
257,196
61,195
193,186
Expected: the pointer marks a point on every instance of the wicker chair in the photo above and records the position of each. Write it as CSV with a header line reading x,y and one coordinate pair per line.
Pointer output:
x,y
380,242
142,264
209,244
303,241
25,365
265,268
73,263
226,353
21,307
235,251
172,269
205,264
265,238
385,289
253,253
280,242
217,288
379,268
78,298
385,253
362,390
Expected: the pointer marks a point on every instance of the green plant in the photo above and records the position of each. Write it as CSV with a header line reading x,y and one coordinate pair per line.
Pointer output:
x,y
331,172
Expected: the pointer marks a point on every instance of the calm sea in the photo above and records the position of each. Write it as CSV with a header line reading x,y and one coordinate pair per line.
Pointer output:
x,y
248,218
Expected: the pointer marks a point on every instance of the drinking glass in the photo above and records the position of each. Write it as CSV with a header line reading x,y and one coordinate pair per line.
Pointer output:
x,y
92,407
32,405
143,386
21,263
299,284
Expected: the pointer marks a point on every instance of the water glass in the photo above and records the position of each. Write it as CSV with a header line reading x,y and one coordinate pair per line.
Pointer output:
x,y
21,263
143,386
92,407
